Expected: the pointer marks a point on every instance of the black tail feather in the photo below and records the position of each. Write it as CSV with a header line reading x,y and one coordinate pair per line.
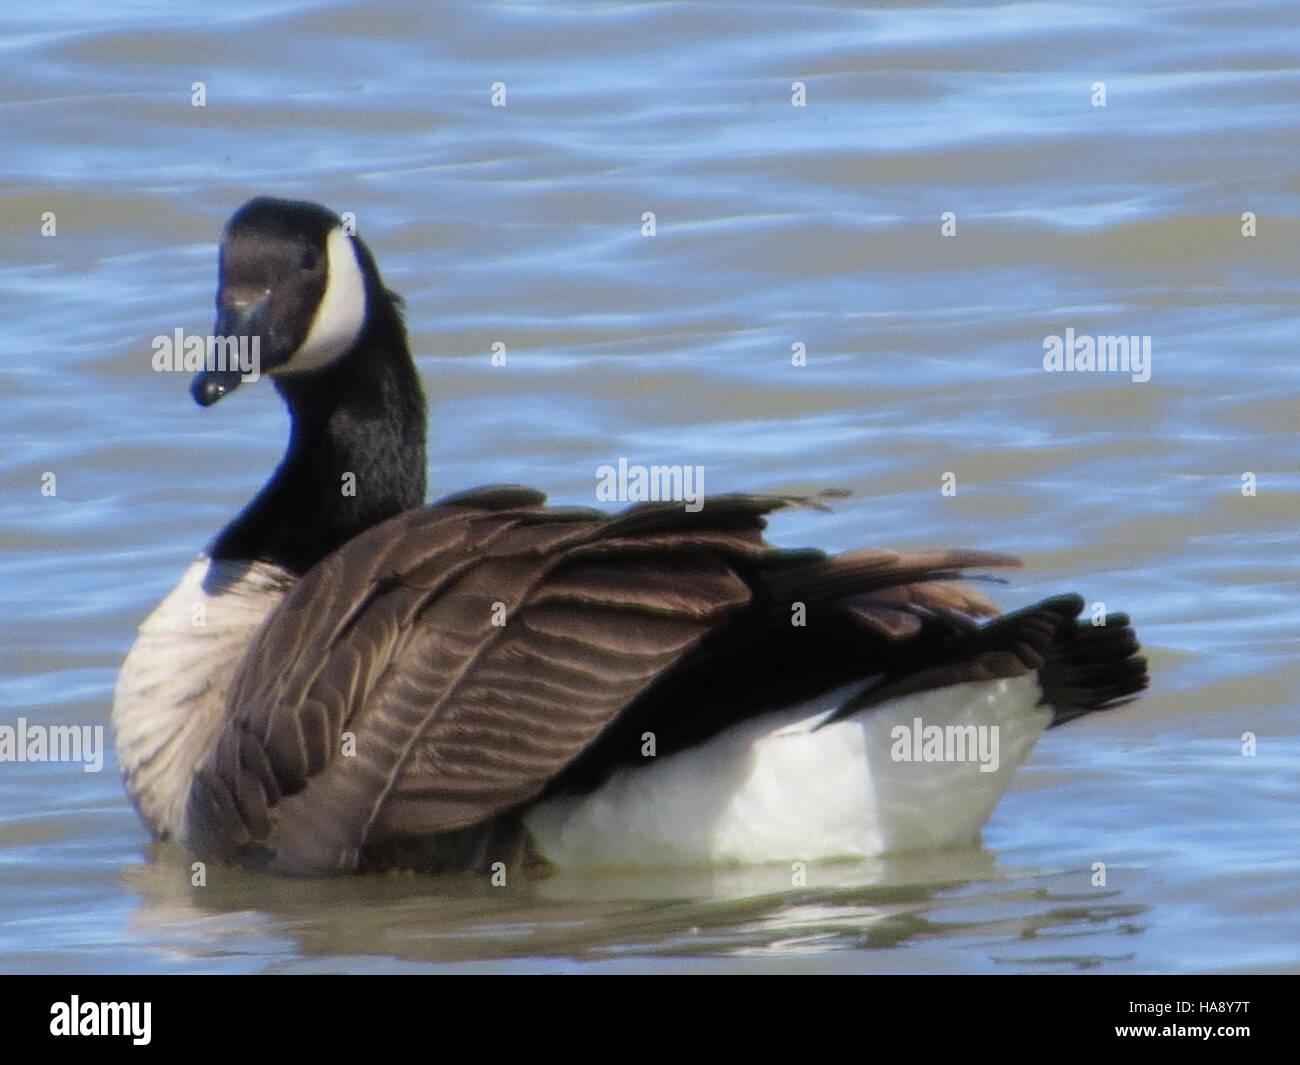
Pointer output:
x,y
1093,667
1081,668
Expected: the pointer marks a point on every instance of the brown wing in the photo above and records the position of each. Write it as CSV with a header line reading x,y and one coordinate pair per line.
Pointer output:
x,y
444,667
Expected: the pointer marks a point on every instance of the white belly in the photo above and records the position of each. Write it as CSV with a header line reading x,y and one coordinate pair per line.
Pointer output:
x,y
170,701
773,789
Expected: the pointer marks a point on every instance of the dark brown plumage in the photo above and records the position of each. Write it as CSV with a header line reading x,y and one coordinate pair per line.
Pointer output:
x,y
459,722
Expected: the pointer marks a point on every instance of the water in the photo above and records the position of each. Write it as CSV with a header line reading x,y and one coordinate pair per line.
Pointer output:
x,y
775,225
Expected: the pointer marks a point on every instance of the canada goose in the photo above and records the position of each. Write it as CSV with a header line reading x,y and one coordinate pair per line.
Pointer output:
x,y
379,683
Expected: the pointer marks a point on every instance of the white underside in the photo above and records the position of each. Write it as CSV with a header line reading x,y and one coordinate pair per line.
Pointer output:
x,y
777,789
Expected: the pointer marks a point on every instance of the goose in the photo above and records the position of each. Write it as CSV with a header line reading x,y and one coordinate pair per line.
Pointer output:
x,y
355,681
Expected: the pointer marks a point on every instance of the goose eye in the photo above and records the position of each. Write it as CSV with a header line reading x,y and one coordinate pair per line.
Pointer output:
x,y
308,260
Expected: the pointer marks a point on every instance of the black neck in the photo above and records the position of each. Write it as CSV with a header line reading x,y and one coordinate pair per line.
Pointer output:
x,y
364,416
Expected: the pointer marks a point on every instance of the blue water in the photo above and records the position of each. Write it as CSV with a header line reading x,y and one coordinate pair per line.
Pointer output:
x,y
775,225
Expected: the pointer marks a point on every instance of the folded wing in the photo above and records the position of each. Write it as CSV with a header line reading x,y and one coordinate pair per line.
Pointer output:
x,y
447,666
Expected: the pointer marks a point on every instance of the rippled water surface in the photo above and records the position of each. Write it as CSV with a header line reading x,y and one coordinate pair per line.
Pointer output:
x,y
775,225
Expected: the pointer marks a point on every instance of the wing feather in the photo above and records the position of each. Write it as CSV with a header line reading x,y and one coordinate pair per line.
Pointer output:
x,y
441,669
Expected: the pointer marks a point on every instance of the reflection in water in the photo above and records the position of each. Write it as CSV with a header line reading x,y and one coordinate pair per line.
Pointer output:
x,y
880,904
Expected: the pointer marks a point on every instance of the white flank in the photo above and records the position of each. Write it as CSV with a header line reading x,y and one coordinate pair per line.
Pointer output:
x,y
341,312
773,789
171,693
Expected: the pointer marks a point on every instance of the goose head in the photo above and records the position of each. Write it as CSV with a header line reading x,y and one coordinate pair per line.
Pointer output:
x,y
293,285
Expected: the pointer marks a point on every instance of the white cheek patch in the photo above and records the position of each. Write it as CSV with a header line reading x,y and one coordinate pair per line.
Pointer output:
x,y
341,312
